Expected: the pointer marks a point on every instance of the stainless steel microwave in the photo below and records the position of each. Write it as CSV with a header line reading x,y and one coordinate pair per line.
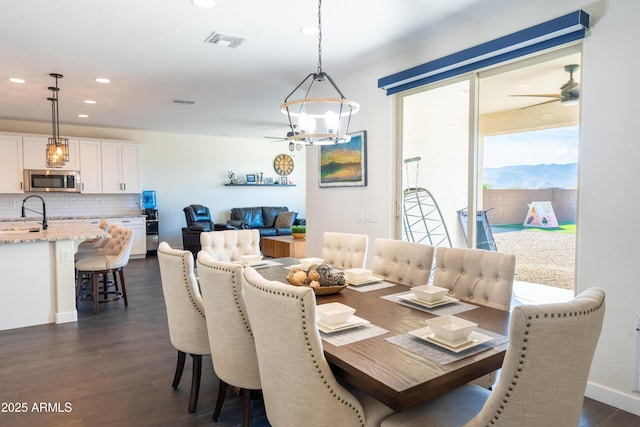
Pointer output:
x,y
51,180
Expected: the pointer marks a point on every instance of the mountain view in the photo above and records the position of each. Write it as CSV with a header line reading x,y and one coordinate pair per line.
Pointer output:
x,y
532,176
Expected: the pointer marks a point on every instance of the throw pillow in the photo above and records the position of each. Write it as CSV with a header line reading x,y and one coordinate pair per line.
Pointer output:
x,y
284,219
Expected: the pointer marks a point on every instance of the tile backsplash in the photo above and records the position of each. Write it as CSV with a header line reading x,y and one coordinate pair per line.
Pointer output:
x,y
70,205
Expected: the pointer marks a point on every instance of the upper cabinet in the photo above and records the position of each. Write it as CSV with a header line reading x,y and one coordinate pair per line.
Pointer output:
x,y
34,150
120,167
11,164
90,167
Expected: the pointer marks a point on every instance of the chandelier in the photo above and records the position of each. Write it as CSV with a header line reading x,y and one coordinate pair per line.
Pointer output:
x,y
322,115
57,151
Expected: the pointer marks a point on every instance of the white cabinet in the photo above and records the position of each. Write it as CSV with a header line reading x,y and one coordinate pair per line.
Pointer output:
x,y
34,149
90,167
139,227
120,167
11,164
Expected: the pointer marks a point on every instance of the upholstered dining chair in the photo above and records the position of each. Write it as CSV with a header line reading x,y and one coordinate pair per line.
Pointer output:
x,y
477,275
298,386
111,259
481,276
344,250
230,245
544,373
407,263
233,350
185,314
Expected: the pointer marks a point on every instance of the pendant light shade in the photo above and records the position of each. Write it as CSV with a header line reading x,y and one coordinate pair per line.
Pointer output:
x,y
57,151
316,108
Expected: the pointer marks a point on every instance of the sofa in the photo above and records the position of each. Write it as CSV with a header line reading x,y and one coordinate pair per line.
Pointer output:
x,y
268,220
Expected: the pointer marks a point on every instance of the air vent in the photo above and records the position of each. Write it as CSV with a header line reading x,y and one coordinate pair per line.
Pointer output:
x,y
226,40
181,102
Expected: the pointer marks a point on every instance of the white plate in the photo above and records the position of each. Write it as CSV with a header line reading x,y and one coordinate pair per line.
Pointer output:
x,y
298,266
475,338
353,322
367,281
254,263
412,299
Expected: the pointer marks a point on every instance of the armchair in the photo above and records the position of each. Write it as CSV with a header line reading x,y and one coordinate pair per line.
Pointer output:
x,y
198,220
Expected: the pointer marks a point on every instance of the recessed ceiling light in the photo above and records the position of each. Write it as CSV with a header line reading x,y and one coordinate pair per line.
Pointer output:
x,y
89,101
206,4
310,31
16,80
103,80
84,116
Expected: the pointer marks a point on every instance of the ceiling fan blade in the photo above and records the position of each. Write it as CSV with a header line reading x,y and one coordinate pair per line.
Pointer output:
x,y
542,95
541,103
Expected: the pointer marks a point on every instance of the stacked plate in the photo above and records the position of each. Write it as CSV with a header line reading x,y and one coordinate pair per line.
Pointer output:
x,y
360,276
334,317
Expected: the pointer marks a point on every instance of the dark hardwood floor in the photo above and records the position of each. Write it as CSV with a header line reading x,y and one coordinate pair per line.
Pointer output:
x,y
116,368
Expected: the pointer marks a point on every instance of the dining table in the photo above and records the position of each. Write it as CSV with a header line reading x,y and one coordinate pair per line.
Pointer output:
x,y
385,356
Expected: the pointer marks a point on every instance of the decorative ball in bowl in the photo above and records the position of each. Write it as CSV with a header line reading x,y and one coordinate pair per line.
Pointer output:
x,y
429,293
321,278
451,328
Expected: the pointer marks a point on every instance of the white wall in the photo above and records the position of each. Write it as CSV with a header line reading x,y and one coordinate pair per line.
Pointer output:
x,y
186,169
609,175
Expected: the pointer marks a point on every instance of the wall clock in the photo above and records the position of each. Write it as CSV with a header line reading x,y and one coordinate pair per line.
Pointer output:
x,y
283,164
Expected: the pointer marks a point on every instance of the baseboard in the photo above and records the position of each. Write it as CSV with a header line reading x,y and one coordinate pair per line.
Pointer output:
x,y
625,401
66,317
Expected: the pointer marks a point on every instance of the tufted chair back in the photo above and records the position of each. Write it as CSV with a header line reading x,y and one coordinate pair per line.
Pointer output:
x,y
233,350
230,245
407,263
345,250
185,310
298,386
118,247
476,275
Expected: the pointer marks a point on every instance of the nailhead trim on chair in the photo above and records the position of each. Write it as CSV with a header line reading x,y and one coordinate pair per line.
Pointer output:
x,y
313,356
186,275
516,376
236,297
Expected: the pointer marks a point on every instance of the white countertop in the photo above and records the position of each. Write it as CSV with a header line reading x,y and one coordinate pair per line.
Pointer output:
x,y
19,231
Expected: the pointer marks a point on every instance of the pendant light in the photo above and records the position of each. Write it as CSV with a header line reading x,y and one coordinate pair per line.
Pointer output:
x,y
322,115
57,148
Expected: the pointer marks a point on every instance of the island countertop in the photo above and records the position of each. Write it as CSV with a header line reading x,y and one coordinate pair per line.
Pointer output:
x,y
21,231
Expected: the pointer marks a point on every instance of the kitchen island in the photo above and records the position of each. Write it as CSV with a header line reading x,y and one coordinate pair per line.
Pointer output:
x,y
38,274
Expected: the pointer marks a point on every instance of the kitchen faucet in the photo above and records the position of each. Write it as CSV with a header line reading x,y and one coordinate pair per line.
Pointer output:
x,y
43,213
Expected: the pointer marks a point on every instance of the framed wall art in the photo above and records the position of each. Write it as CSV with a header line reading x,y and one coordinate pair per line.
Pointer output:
x,y
344,165
251,178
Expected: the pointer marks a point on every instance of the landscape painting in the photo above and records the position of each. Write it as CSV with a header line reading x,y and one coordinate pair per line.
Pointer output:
x,y
344,165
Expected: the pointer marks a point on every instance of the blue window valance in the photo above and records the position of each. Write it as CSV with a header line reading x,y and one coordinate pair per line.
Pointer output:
x,y
556,32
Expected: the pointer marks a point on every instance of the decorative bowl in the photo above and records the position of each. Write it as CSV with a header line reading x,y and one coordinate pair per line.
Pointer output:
x,y
429,293
356,274
299,235
451,328
333,313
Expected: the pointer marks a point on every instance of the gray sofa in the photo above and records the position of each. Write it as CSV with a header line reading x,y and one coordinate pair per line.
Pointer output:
x,y
268,220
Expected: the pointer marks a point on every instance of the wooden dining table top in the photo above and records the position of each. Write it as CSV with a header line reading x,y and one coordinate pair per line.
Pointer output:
x,y
397,377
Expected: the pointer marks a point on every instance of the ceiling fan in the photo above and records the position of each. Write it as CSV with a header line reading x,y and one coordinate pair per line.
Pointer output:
x,y
569,92
292,145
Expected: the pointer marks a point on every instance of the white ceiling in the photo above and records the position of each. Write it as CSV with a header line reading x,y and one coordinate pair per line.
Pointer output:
x,y
154,51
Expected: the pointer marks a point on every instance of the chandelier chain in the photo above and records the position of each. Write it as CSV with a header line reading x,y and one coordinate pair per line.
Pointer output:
x,y
319,36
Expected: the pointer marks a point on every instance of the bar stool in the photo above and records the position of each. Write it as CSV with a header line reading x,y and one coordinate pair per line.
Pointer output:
x,y
112,259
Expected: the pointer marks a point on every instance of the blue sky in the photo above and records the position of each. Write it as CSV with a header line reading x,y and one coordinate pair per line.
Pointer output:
x,y
559,145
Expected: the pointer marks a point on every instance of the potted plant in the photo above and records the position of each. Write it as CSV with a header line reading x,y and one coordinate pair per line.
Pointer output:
x,y
299,231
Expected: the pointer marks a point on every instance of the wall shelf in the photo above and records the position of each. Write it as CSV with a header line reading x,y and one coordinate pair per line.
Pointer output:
x,y
259,185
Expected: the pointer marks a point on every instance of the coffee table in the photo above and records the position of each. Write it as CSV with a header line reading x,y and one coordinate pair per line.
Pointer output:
x,y
283,247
